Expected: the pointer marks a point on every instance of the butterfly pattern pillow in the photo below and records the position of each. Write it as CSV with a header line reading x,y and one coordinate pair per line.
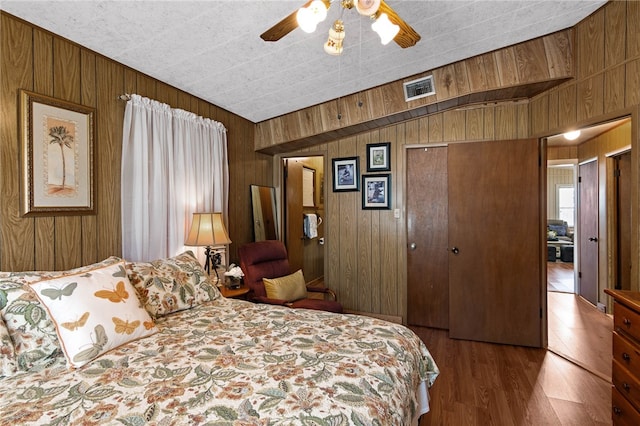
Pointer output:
x,y
33,333
94,312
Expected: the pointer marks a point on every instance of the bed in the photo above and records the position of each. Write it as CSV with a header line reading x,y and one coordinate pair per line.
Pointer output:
x,y
204,359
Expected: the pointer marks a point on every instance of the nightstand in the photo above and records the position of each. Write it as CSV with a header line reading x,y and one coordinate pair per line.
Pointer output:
x,y
234,293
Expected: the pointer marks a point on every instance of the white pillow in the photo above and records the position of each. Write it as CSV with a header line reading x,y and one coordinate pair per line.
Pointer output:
x,y
94,312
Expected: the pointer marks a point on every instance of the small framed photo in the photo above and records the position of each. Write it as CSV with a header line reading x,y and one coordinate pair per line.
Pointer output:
x,y
346,172
379,157
376,191
56,140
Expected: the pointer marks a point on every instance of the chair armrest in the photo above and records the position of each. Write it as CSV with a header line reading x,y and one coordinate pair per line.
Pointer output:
x,y
322,290
262,299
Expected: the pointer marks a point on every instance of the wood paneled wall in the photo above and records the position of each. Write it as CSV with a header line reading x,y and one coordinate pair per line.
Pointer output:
x,y
607,86
514,72
37,60
365,250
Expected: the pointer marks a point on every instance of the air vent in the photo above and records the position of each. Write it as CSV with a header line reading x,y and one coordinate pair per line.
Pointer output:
x,y
419,88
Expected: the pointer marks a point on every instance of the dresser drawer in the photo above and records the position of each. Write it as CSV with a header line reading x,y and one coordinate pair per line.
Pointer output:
x,y
627,354
622,412
626,384
626,320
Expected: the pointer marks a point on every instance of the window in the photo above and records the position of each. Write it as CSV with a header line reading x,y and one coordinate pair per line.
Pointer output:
x,y
566,203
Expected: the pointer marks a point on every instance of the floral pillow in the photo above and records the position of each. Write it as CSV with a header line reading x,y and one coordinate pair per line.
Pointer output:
x,y
30,327
171,285
7,353
94,312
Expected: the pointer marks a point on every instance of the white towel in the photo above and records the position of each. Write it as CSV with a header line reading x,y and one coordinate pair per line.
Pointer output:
x,y
310,225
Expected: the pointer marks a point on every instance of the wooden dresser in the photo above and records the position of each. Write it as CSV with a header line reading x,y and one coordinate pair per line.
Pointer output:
x,y
625,393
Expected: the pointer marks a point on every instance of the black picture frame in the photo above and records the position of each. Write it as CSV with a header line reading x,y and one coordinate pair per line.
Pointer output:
x,y
376,192
346,174
379,157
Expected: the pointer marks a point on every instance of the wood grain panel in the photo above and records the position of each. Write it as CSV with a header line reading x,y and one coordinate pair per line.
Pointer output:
x,y
365,282
454,125
474,124
88,88
507,67
389,291
66,84
16,52
632,83
462,78
531,61
558,50
43,83
613,96
349,206
540,113
633,30
590,45
552,109
506,122
567,107
590,97
523,113
615,32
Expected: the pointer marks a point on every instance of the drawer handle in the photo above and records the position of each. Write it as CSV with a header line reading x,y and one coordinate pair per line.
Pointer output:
x,y
617,411
626,386
627,322
626,356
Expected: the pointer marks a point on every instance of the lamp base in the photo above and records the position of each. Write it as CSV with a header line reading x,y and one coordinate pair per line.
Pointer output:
x,y
213,259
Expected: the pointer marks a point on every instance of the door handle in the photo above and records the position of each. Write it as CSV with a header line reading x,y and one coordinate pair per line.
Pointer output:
x,y
594,239
412,246
455,250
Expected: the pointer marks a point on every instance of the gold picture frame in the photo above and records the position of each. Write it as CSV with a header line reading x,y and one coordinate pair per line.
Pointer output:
x,y
56,156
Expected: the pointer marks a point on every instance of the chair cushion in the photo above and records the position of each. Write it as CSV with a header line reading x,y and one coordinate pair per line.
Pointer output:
x,y
290,287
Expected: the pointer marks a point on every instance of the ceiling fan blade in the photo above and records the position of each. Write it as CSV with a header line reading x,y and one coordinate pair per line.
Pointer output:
x,y
286,25
407,36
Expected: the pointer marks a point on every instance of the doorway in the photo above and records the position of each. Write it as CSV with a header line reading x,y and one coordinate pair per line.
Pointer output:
x,y
596,154
304,213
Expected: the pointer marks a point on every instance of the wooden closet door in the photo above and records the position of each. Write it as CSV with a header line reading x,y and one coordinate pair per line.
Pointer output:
x,y
427,236
588,231
495,241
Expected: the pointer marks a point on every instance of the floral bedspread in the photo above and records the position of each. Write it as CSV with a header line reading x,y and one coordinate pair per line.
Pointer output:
x,y
230,362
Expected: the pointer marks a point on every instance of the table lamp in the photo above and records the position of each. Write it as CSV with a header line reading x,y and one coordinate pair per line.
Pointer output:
x,y
207,230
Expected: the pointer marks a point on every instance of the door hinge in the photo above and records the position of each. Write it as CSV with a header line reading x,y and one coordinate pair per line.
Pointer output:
x,y
579,179
579,274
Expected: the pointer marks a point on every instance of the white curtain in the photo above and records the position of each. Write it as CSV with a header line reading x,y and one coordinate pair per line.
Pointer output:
x,y
174,163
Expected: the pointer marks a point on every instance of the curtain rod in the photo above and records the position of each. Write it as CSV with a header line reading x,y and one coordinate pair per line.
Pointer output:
x,y
125,97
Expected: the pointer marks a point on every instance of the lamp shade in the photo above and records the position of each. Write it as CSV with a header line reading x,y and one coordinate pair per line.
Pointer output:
x,y
207,229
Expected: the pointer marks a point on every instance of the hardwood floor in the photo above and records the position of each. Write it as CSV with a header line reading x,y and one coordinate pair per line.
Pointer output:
x,y
560,277
489,384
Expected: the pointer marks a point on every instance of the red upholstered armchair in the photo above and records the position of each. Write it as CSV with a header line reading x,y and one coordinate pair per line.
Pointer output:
x,y
268,259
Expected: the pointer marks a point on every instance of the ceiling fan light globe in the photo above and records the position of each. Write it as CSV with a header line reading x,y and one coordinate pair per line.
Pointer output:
x,y
386,29
319,10
306,20
367,7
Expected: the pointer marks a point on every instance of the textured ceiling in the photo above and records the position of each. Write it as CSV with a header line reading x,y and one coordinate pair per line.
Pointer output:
x,y
213,50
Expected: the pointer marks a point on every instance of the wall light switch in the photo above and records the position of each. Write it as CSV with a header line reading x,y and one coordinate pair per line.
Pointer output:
x,y
396,213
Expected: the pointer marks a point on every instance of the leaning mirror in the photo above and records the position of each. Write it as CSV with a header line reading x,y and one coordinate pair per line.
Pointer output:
x,y
265,223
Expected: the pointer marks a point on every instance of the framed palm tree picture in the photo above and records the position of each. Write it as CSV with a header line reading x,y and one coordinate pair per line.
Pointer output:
x,y
56,156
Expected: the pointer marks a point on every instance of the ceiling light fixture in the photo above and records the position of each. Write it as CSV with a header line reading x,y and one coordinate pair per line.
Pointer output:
x,y
573,135
309,16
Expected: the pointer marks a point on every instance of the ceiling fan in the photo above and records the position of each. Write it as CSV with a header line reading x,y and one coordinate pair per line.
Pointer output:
x,y
386,23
